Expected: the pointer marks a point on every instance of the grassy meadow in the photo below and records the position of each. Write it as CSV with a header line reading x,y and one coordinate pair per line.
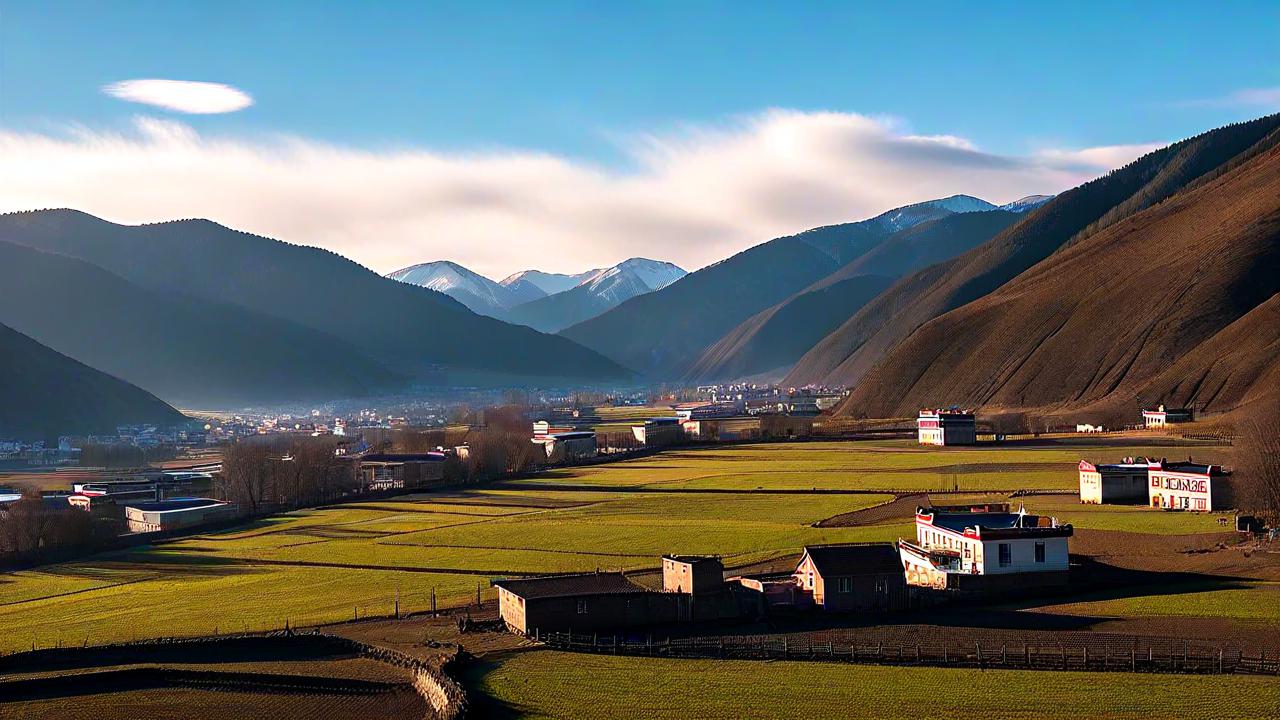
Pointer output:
x,y
327,565
548,684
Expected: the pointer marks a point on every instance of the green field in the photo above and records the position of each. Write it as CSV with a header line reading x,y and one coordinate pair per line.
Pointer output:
x,y
1250,601
326,565
547,684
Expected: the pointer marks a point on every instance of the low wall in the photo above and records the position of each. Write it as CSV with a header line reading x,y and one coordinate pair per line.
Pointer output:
x,y
442,693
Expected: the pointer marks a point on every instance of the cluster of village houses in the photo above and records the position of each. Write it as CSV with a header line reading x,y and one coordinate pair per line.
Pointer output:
x,y
981,548
965,549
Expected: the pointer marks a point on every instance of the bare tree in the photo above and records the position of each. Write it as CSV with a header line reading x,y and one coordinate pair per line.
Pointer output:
x,y
247,476
1257,475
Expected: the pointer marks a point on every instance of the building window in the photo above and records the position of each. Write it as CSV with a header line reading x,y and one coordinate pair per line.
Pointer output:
x,y
844,585
1039,552
966,550
1006,555
582,607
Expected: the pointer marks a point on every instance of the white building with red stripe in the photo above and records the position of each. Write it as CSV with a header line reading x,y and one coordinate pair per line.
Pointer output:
x,y
956,545
1186,486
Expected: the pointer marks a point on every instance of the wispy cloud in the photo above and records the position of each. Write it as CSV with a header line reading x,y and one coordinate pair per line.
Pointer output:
x,y
1266,98
691,197
186,96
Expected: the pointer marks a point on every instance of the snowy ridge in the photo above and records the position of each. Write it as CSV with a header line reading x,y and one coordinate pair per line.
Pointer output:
x,y
476,291
548,283
632,277
912,215
1027,204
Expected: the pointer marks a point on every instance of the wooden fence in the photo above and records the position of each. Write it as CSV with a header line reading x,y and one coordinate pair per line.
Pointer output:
x,y
1141,655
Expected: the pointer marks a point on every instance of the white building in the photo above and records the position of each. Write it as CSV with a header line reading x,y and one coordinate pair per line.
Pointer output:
x,y
1122,482
956,547
946,427
1160,417
1186,486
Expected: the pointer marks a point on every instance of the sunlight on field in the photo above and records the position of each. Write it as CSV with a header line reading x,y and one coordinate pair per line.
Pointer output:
x,y
326,564
547,684
1249,601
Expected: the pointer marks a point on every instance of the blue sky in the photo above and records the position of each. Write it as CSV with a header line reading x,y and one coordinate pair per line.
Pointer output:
x,y
580,82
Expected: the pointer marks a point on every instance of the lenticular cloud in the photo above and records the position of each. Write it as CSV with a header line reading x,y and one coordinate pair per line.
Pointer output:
x,y
187,96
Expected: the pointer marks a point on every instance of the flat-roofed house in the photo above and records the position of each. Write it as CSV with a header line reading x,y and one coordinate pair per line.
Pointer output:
x,y
1124,482
393,471
946,427
692,574
1187,486
849,577
585,602
158,516
985,547
658,432
572,446
1160,416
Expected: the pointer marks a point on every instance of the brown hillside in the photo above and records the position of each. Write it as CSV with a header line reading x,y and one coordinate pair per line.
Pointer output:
x,y
1237,366
1110,319
774,338
849,352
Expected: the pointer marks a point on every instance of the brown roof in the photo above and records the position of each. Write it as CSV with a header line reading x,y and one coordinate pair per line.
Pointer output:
x,y
855,559
569,585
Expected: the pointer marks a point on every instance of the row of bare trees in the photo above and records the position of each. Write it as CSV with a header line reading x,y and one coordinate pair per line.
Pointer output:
x,y
32,527
261,476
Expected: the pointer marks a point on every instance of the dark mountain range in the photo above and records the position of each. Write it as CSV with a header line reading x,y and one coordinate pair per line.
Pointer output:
x,y
848,353
598,293
411,330
663,333
187,350
773,339
1165,293
47,394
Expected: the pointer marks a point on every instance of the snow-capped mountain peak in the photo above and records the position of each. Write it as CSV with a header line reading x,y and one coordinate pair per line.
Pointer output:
x,y
1026,204
912,215
476,291
651,274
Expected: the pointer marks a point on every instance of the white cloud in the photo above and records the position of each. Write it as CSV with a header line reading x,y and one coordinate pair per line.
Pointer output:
x,y
187,96
1266,98
1107,156
692,197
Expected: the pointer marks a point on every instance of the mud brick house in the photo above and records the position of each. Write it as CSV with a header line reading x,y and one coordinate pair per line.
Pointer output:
x,y
852,577
1187,486
1124,482
986,548
693,589
692,574
587,602
946,427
